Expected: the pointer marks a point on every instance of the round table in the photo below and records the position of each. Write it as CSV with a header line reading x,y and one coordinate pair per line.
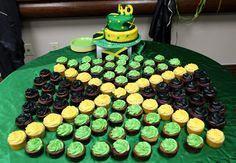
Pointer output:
x,y
12,98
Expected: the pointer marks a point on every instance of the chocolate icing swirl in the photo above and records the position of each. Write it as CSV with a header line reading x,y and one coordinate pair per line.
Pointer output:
x,y
39,80
65,83
192,85
77,96
164,96
163,87
197,97
210,91
45,97
216,119
42,110
31,92
217,106
44,72
62,91
61,103
187,78
200,112
180,104
204,80
176,82
76,84
179,93
29,107
56,76
49,87
23,118
148,90
199,74
91,89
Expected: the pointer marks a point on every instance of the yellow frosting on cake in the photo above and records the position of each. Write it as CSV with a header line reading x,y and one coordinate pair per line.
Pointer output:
x,y
119,92
143,82
150,104
71,72
191,67
168,75
86,106
59,68
179,71
165,109
102,100
16,137
95,81
135,99
215,135
155,79
180,116
70,112
84,77
196,124
132,87
34,129
52,120
107,87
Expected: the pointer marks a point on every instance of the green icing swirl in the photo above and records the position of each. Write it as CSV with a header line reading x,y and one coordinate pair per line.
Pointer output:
x,y
115,117
119,104
120,69
83,132
159,58
134,64
172,128
133,124
162,66
143,148
55,145
169,144
99,124
149,132
109,75
133,73
81,119
61,59
194,140
121,79
97,61
149,62
121,62
152,117
72,63
96,69
124,57
174,61
34,144
75,148
117,132
64,129
100,148
149,70
86,59
110,65
109,57
121,146
100,112
134,109
84,67
138,58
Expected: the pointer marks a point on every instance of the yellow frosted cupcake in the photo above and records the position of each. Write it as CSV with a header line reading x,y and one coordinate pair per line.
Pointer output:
x,y
60,68
95,81
215,138
195,126
71,74
119,93
69,113
168,76
165,111
179,72
132,88
190,68
35,129
143,82
102,100
149,105
86,107
52,121
84,77
134,99
107,88
155,79
181,117
17,139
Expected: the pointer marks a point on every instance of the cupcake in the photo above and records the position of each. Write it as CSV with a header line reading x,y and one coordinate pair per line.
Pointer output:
x,y
86,59
23,120
152,119
159,58
132,126
120,149
55,78
119,93
76,98
168,76
164,98
204,82
142,151
134,65
139,59
72,63
107,88
17,139
216,120
155,79
162,87
169,147
77,86
48,88
180,104
148,71
149,62
117,133
194,143
171,130
178,94
109,76
191,88
99,126
199,112
116,119
84,77
86,107
69,113
149,134
124,57
215,138
133,75
176,84
62,93
181,117
35,129
209,93
119,106
39,82
91,92
59,105
148,92
45,74
103,100
65,83
142,83
29,107
82,120
173,63
52,121
96,71
100,150
216,106
187,78
110,66
34,147
64,131
83,134
97,62
161,67
76,151
120,70
42,112
55,148
149,105
85,67
199,74
31,94
95,81
191,68
121,62
179,72
165,111
110,58
195,126
197,100
60,68
71,74
120,81
100,112
62,60
134,111
132,88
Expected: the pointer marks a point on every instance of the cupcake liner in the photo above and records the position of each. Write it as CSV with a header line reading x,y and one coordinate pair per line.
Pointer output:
x,y
190,131
18,146
213,144
165,117
182,124
71,78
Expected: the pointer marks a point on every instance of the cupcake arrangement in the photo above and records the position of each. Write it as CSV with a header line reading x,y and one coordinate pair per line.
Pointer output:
x,y
120,97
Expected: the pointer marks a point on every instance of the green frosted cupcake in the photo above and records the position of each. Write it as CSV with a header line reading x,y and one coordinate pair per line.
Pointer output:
x,y
159,58
133,75
124,57
132,126
110,58
169,147
120,149
97,62
86,59
55,148
81,120
76,151
135,111
100,112
142,151
62,60
96,71
149,62
100,150
149,134
110,66
134,65
139,58
119,105
34,147
121,62
121,81
148,71
109,76
120,70
161,68
72,63
99,126
64,131
83,134
171,130
116,119
85,67
117,133
152,119
194,143
173,63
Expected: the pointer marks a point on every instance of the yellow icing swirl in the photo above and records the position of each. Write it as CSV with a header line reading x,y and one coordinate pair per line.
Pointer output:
x,y
180,116
179,71
69,112
84,77
143,82
155,79
191,67
168,75
52,120
86,106
135,99
71,72
119,92
215,135
16,137
132,88
196,124
95,81
102,100
150,104
34,129
107,87
165,109
59,68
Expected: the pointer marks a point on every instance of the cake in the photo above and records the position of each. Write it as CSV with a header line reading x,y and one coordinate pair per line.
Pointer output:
x,y
55,148
83,134
100,112
194,143
120,149
64,131
132,126
76,151
152,119
149,134
117,133
169,147
142,151
81,120
34,147
100,150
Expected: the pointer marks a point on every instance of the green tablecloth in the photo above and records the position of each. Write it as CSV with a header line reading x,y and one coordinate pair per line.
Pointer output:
x,y
12,98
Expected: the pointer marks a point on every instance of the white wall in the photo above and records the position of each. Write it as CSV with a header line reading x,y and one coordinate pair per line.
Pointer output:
x,y
212,35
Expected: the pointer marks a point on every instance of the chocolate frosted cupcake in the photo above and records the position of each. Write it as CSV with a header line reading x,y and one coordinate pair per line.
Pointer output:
x,y
96,71
149,134
199,74
142,151
29,107
117,133
31,94
76,151
55,78
162,87
204,82
23,120
86,59
215,120
164,98
115,119
149,62
110,58
100,112
64,131
162,67
62,93
187,78
97,62
121,81
194,143
72,63
110,66
59,105
85,67
148,71
209,93
82,120
132,126
171,130
169,147
216,106
42,112
39,82
55,148
199,112
48,88
173,63
91,92
65,83
34,147
133,75
176,83
99,127
121,62
109,76
120,149
77,86
139,59
152,119
134,111
120,70
83,134
197,100
148,92
45,99
159,59
119,106
134,65
45,74
76,98
180,104
178,94
100,150
191,88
